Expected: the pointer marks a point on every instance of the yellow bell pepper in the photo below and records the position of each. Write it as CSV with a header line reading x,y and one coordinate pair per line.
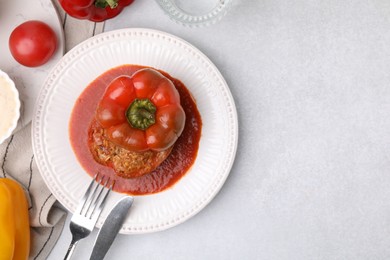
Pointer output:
x,y
14,221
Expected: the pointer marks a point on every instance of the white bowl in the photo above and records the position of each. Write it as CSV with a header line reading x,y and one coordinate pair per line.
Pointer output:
x,y
9,106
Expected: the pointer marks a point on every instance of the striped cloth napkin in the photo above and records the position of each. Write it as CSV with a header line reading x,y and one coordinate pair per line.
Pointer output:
x,y
47,219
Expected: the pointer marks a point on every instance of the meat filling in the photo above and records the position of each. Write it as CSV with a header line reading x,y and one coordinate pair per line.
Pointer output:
x,y
126,164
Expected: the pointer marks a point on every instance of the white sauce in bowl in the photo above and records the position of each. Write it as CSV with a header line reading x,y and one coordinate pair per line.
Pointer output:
x,y
9,106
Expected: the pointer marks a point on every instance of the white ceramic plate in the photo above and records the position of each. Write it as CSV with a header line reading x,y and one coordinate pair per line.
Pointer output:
x,y
28,81
58,164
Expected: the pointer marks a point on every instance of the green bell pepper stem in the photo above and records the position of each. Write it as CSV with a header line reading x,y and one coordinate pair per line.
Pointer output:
x,y
105,3
141,114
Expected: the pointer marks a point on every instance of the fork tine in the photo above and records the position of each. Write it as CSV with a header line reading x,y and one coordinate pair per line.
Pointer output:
x,y
97,201
95,215
86,195
93,197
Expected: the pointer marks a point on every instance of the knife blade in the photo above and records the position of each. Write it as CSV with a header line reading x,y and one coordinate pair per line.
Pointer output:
x,y
111,227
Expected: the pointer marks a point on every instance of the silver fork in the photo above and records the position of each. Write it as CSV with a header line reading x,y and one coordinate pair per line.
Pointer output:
x,y
87,213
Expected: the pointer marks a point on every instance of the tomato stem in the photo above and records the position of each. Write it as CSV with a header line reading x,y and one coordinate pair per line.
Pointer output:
x,y
104,3
141,114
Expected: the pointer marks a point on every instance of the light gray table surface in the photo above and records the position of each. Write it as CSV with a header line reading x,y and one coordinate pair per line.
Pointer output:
x,y
311,179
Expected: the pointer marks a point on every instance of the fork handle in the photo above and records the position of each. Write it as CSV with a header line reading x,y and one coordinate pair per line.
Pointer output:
x,y
71,248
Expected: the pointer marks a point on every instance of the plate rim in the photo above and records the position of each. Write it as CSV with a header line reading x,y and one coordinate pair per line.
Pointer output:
x,y
67,58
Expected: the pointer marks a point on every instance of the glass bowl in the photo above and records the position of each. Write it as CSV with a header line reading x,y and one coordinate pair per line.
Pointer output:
x,y
195,13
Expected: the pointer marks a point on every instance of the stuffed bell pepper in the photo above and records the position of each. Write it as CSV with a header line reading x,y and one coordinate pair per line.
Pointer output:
x,y
138,120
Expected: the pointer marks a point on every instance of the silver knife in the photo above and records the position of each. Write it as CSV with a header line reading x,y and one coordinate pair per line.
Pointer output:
x,y
111,227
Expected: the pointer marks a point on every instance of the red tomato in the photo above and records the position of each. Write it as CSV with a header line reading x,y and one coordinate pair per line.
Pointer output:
x,y
32,43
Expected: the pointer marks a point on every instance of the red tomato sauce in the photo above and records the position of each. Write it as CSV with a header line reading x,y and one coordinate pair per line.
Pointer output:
x,y
170,171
